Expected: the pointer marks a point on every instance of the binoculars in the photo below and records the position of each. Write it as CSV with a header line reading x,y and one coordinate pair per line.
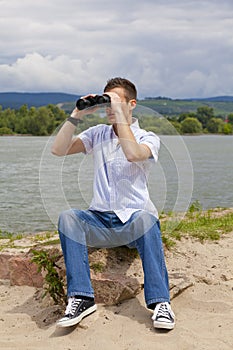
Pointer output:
x,y
90,101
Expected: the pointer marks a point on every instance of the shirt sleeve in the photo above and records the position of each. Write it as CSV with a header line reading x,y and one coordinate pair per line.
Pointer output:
x,y
87,138
153,142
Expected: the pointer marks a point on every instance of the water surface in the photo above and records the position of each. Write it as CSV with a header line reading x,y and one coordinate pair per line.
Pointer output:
x,y
35,185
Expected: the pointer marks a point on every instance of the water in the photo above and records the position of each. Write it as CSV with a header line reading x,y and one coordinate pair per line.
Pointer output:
x,y
35,185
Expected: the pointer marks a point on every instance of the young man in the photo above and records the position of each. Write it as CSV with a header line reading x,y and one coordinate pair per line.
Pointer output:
x,y
121,212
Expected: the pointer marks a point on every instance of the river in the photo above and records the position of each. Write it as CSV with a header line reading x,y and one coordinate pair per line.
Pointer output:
x,y
35,185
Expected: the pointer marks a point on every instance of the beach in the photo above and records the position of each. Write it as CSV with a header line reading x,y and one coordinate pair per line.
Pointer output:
x,y
204,310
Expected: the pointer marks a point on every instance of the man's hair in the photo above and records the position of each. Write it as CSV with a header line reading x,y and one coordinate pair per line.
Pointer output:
x,y
128,86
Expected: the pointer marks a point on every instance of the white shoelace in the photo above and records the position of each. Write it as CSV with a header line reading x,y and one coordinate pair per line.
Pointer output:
x,y
72,305
162,310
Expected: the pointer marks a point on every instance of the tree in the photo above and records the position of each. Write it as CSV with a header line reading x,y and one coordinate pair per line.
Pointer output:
x,y
42,122
191,126
6,131
183,116
204,114
215,125
177,126
59,114
23,111
227,129
8,119
230,118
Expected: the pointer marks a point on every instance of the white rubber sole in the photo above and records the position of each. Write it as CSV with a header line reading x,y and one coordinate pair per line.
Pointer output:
x,y
65,322
163,325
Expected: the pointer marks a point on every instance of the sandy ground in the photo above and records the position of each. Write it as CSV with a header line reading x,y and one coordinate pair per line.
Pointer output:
x,y
204,311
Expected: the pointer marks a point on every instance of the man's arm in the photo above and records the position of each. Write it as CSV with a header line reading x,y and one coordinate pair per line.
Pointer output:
x,y
133,151
64,143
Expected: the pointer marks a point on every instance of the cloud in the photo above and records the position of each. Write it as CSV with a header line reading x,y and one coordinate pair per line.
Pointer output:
x,y
35,72
173,48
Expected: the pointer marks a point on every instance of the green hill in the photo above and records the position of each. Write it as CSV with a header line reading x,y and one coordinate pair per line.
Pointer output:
x,y
222,105
170,107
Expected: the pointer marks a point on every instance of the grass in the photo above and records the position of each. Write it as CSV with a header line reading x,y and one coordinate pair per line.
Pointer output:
x,y
97,266
10,235
9,239
202,225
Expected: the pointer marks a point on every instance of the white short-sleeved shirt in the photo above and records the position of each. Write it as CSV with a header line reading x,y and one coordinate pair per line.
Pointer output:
x,y
119,185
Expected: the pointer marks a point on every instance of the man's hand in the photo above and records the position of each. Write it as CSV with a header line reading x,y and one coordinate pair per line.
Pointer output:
x,y
119,110
76,114
115,101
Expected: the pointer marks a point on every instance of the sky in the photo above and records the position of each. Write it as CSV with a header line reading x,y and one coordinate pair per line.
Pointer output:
x,y
173,48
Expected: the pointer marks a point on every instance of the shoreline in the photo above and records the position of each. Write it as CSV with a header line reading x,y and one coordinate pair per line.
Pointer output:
x,y
188,134
162,217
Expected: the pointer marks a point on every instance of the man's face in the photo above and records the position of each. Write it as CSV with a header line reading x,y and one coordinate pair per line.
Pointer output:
x,y
119,99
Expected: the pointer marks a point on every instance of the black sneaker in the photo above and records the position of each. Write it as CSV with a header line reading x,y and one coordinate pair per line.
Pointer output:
x,y
163,316
76,310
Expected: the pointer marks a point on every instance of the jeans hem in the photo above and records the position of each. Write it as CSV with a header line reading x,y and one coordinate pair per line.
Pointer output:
x,y
84,294
156,300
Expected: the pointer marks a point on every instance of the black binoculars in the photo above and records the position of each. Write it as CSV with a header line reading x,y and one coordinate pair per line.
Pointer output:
x,y
90,101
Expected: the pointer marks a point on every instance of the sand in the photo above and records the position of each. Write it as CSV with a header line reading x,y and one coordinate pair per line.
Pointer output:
x,y
204,311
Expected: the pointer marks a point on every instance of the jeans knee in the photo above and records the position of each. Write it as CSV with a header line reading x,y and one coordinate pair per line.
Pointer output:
x,y
64,216
71,226
67,219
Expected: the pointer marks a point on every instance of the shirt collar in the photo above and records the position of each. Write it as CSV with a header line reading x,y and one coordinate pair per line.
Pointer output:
x,y
134,123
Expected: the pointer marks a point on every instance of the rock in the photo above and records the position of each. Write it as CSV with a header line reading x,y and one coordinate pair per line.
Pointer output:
x,y
204,279
4,266
113,288
113,274
178,283
226,277
22,271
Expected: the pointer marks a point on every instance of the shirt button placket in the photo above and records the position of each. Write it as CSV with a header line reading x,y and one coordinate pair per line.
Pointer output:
x,y
111,183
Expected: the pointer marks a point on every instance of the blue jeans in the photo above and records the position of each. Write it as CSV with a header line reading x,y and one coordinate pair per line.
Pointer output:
x,y
81,228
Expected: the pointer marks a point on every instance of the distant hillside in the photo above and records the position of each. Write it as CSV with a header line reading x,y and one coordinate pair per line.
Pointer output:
x,y
15,100
222,105
213,99
210,99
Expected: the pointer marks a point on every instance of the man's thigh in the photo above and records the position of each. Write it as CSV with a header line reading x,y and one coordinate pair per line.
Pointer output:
x,y
104,229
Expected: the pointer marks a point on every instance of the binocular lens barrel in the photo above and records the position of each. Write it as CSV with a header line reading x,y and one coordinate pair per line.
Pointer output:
x,y
90,101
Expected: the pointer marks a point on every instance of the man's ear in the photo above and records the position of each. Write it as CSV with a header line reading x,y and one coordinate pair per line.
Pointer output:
x,y
133,103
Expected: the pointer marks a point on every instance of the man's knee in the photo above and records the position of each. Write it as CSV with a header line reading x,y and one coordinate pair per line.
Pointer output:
x,y
68,220
72,226
65,216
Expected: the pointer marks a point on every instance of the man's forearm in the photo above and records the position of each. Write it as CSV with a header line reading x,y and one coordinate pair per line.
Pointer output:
x,y
63,139
133,151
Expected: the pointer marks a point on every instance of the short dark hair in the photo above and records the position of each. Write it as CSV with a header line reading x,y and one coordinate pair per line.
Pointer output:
x,y
128,86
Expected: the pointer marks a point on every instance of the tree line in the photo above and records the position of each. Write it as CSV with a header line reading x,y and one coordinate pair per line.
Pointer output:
x,y
43,121
204,121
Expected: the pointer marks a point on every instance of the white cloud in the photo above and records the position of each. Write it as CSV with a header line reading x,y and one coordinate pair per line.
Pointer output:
x,y
173,48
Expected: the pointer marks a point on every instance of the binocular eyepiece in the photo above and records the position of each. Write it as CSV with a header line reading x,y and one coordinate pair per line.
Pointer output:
x,y
90,101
